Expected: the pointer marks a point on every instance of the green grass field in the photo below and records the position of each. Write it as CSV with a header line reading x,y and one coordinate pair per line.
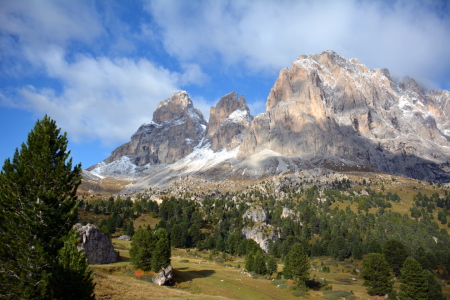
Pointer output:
x,y
195,277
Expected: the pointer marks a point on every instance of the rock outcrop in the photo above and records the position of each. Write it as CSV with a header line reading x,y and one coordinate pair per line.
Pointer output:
x,y
164,276
97,246
255,213
261,233
228,122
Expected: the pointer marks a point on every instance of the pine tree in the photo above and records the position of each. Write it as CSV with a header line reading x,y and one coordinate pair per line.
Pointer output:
x,y
38,203
142,247
259,266
249,263
162,252
376,274
414,283
272,265
395,254
297,262
72,277
434,287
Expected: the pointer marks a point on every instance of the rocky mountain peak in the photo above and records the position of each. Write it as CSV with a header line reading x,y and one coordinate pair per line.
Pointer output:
x,y
326,106
228,122
177,127
179,105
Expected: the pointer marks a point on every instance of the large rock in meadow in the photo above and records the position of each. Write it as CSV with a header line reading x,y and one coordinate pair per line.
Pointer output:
x,y
97,246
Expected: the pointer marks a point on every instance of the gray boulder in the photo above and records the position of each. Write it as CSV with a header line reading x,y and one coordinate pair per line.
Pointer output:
x,y
164,276
97,246
124,238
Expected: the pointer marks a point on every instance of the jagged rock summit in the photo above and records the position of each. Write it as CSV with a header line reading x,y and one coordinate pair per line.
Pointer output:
x,y
228,122
325,111
327,107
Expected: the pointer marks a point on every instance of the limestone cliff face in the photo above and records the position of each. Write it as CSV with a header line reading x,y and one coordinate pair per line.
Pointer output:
x,y
177,127
328,106
228,122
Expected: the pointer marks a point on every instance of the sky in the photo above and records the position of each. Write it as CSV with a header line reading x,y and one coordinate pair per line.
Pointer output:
x,y
100,68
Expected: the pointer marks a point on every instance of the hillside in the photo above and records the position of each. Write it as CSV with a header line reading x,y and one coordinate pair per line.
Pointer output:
x,y
339,217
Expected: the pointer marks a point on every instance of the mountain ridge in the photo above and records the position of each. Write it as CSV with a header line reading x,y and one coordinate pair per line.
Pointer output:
x,y
325,110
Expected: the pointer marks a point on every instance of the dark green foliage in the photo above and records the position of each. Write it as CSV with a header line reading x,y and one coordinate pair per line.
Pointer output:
x,y
272,265
414,283
395,254
249,263
161,254
142,248
259,266
38,203
297,263
434,287
72,278
376,274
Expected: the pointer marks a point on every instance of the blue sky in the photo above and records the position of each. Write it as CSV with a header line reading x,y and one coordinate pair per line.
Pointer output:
x,y
99,68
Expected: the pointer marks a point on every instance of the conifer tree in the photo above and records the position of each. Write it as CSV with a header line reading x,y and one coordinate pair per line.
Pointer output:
x,y
142,247
297,263
162,252
38,203
395,254
259,266
376,274
434,287
414,283
72,277
249,263
272,265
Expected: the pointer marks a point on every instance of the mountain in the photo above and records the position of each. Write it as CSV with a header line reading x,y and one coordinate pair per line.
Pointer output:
x,y
325,111
228,123
328,107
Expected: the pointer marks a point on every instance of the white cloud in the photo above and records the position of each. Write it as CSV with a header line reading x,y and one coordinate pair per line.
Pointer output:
x,y
102,98
408,37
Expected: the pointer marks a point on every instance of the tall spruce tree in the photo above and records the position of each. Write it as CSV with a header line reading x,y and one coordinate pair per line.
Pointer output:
x,y
142,247
297,263
38,203
272,265
259,266
434,287
162,252
376,274
395,254
414,284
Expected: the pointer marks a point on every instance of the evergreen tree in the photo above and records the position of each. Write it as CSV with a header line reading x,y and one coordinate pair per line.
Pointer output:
x,y
297,262
142,247
72,278
434,287
395,254
130,229
272,266
162,252
376,274
249,263
175,236
259,266
38,203
414,284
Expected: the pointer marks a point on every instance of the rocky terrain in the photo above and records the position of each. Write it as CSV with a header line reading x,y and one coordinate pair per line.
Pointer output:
x,y
326,111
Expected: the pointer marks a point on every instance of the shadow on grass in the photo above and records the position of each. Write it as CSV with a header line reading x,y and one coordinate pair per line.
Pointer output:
x,y
121,258
183,275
